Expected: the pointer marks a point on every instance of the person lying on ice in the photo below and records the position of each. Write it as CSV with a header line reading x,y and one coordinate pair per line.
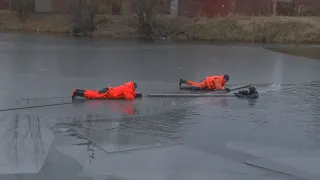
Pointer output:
x,y
210,82
125,91
251,94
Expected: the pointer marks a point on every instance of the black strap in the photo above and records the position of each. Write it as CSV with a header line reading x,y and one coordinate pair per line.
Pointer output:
x,y
103,90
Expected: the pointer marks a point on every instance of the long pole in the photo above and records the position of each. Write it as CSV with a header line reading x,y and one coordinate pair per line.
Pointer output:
x,y
214,94
191,95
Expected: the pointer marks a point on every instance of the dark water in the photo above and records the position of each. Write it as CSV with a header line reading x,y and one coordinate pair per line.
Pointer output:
x,y
155,138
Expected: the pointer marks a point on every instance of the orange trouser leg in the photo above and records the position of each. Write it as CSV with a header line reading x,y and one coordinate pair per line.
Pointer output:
x,y
94,94
193,83
201,84
90,94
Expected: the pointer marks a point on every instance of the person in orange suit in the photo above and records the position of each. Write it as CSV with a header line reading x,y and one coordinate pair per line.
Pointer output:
x,y
211,82
126,91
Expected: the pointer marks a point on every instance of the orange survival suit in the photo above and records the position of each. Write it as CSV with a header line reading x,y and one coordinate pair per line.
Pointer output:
x,y
210,82
125,91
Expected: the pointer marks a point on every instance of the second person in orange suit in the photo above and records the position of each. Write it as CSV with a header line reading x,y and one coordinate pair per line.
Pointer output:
x,y
126,91
210,82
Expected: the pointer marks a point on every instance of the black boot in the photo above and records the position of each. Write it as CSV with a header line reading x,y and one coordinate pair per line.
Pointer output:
x,y
80,93
77,92
182,81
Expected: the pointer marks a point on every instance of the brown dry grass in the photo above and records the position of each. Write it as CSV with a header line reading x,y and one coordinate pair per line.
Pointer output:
x,y
248,29
233,28
41,23
115,26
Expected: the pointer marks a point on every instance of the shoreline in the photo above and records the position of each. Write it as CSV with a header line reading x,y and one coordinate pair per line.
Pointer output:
x,y
168,41
232,29
177,41
309,51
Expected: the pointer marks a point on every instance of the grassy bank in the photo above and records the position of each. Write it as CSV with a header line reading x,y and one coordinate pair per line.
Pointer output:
x,y
233,28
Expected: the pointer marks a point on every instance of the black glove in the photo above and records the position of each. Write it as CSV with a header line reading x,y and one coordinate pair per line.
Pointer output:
x,y
138,95
103,90
227,89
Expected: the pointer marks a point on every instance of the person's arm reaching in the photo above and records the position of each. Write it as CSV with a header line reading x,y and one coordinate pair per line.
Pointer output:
x,y
218,85
128,95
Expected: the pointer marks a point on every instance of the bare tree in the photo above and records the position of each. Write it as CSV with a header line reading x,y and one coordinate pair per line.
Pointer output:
x,y
23,132
83,16
147,12
23,7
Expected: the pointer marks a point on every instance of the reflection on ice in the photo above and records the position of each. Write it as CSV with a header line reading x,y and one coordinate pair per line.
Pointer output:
x,y
24,144
115,140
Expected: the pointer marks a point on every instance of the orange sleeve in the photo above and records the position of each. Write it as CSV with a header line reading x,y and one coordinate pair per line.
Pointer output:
x,y
128,95
218,84
212,84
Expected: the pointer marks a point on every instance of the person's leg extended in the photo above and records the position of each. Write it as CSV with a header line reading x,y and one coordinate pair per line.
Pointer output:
x,y
91,94
198,85
193,83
